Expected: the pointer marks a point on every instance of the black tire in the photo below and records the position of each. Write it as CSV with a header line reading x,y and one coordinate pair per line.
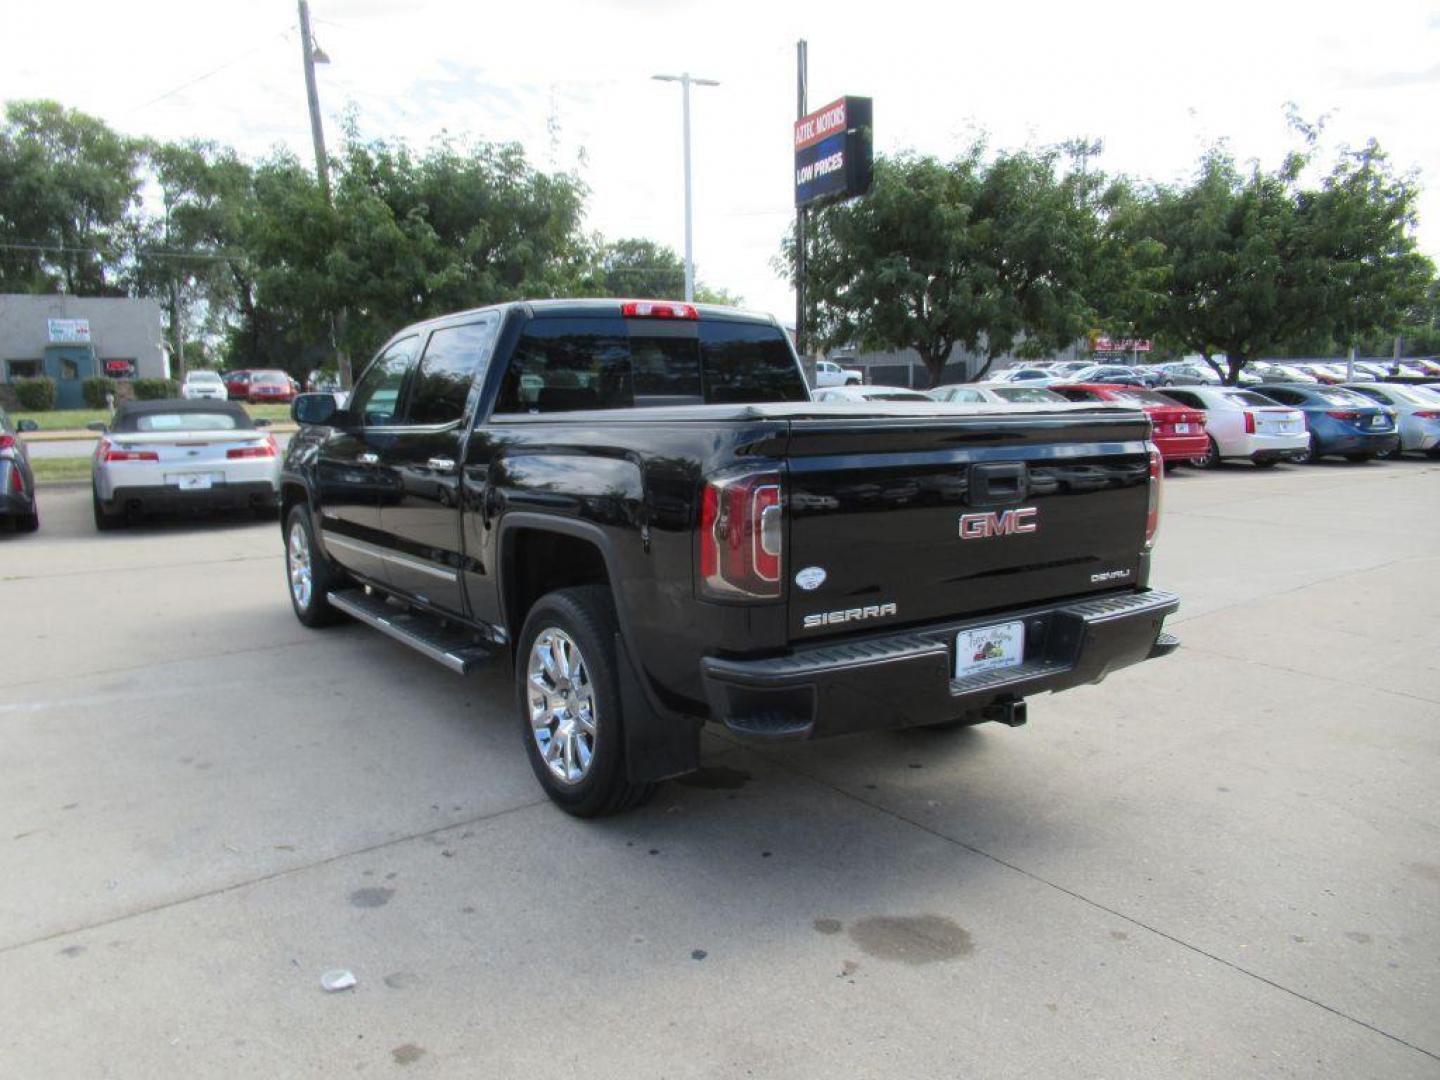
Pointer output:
x,y
105,520
312,608
1394,455
1210,460
28,523
852,382
586,616
1267,463
1359,459
1308,456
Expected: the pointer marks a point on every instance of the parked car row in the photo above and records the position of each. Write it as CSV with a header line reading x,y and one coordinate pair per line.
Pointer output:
x,y
1199,373
260,385
1203,425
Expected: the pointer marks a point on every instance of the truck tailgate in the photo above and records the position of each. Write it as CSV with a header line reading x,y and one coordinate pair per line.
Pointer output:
x,y
946,516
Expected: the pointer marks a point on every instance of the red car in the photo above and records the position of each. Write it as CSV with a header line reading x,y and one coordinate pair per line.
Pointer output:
x,y
237,384
270,386
1179,431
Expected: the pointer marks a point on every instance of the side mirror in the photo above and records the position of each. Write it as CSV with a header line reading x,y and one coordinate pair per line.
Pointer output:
x,y
97,425
314,409
27,425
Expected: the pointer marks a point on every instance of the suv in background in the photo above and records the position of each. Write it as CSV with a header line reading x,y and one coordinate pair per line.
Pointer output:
x,y
829,373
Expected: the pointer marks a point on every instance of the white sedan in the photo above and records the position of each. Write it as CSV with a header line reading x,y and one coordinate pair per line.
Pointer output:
x,y
996,393
1244,424
867,393
203,386
1417,411
178,455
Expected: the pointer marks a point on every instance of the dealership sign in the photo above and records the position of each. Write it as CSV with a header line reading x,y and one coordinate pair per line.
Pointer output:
x,y
1105,344
833,154
69,331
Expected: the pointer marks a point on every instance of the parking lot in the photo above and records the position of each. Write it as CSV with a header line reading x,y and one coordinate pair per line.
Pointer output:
x,y
1226,863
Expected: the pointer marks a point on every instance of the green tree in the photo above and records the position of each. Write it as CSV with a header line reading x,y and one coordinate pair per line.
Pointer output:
x,y
640,268
183,253
645,269
1258,264
990,255
69,186
1360,229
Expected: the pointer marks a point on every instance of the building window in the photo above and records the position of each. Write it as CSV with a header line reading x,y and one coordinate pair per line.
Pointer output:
x,y
69,369
23,369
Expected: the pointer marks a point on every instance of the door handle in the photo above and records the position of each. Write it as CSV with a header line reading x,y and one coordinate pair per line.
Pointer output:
x,y
442,464
368,459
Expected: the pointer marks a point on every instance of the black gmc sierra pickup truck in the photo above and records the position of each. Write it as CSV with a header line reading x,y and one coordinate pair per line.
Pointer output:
x,y
638,506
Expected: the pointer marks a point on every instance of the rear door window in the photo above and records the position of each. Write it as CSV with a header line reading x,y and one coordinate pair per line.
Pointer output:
x,y
447,372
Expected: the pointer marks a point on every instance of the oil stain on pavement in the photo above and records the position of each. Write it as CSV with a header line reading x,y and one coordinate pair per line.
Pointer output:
x,y
371,897
911,939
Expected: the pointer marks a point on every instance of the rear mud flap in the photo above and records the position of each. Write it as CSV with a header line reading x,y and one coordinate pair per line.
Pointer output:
x,y
656,747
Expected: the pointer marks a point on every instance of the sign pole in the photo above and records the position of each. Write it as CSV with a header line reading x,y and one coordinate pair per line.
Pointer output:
x,y
801,79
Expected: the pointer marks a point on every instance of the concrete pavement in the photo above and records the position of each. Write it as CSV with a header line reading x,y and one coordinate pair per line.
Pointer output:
x,y
1222,864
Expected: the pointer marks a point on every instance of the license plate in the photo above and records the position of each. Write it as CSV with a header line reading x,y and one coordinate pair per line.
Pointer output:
x,y
1182,429
194,481
1379,421
989,648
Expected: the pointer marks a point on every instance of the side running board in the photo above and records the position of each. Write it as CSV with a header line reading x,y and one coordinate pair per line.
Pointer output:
x,y
427,634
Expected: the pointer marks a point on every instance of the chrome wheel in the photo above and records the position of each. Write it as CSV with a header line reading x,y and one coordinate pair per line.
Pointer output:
x,y
562,705
297,562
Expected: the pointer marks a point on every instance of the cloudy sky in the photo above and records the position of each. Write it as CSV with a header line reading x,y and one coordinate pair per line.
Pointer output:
x,y
571,81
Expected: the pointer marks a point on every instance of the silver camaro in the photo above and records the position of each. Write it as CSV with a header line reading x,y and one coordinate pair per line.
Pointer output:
x,y
180,455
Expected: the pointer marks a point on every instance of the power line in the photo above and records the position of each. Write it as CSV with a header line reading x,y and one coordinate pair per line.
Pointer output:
x,y
116,253
213,71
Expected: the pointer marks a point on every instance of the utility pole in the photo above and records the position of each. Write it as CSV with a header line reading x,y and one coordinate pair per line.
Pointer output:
x,y
686,80
802,80
313,55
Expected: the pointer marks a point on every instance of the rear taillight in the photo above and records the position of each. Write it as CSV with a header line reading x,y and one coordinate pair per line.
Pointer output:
x,y
264,449
742,536
1349,417
108,451
1426,415
1249,423
17,479
7,442
658,309
1156,485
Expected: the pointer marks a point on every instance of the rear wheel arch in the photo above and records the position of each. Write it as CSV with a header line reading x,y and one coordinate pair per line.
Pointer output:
x,y
537,557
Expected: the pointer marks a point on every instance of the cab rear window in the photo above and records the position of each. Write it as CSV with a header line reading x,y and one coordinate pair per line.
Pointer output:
x,y
562,364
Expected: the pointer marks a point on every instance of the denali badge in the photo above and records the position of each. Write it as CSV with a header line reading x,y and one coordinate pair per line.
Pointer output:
x,y
812,577
854,614
979,526
1109,575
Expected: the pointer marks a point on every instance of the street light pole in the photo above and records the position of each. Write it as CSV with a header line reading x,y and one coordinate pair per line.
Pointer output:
x,y
312,56
686,81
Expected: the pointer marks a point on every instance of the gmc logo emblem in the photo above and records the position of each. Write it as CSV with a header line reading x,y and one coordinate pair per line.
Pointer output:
x,y
1006,522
